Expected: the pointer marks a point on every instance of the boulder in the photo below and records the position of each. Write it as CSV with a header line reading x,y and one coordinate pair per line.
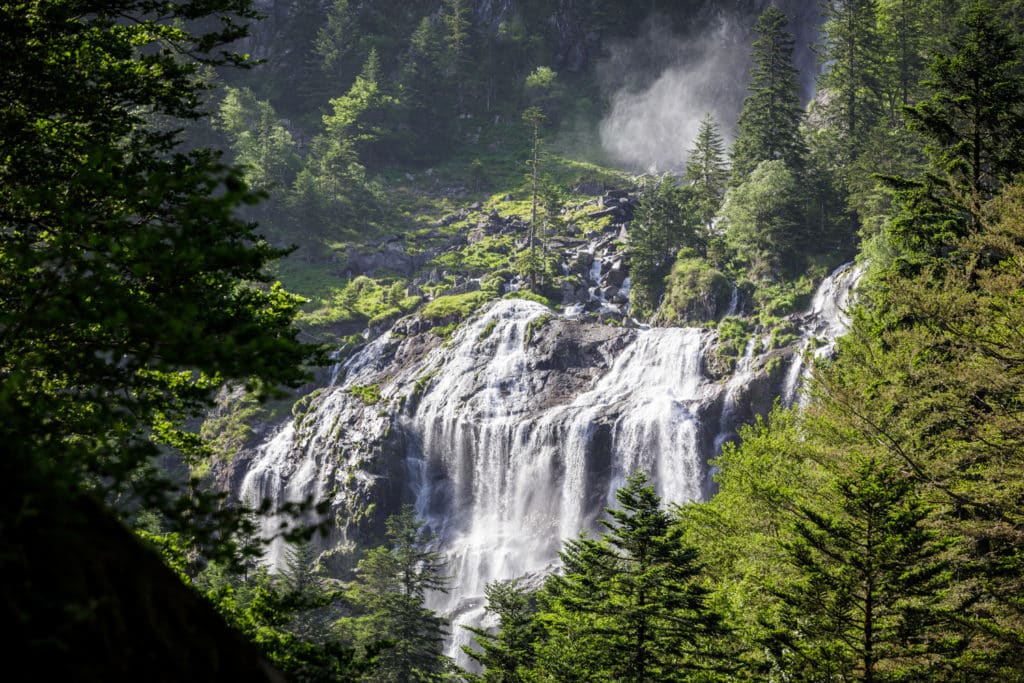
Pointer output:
x,y
582,263
617,274
465,287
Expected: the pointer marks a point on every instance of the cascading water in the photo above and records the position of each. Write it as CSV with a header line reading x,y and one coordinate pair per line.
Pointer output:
x,y
508,481
500,458
825,321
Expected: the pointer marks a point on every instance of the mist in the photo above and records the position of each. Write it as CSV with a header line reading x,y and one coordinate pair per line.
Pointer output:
x,y
660,85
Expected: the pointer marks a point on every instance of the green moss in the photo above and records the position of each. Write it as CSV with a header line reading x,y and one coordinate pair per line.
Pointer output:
x,y
695,293
480,258
302,406
488,328
533,326
445,331
530,296
782,298
783,335
733,333
455,308
368,394
422,382
362,301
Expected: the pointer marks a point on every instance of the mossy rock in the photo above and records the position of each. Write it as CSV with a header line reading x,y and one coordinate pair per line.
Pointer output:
x,y
446,312
695,293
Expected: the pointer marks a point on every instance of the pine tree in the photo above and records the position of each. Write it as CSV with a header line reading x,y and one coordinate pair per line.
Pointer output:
x,y
769,125
534,117
259,141
638,591
868,601
974,124
428,113
661,226
456,22
337,41
391,588
507,654
760,218
935,375
707,171
852,53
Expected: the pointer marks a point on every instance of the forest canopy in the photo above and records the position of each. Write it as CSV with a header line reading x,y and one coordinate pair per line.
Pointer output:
x,y
403,164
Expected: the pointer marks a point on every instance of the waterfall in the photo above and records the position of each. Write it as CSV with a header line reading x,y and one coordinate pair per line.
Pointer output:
x,y
500,458
825,322
507,481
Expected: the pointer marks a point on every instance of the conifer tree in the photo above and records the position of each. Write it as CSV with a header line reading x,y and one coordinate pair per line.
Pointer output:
x,y
662,225
428,114
337,41
534,117
707,171
508,654
868,601
769,125
645,615
392,585
974,126
760,218
456,22
852,82
261,144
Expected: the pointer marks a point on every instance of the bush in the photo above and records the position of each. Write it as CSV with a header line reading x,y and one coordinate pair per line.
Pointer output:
x,y
695,293
445,310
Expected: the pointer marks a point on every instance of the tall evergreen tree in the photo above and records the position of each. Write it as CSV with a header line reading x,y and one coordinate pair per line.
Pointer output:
x,y
507,655
639,593
338,41
661,227
260,143
935,375
852,80
428,114
456,37
974,125
760,217
534,117
707,171
769,125
391,588
867,604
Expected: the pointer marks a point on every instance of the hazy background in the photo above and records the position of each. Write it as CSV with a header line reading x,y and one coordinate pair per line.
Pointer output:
x,y
660,83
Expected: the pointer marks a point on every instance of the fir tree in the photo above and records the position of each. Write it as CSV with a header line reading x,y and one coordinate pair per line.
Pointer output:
x,y
661,226
508,654
391,588
638,591
707,171
974,126
761,217
868,601
769,125
852,82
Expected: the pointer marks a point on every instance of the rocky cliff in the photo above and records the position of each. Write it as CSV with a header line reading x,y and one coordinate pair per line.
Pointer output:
x,y
513,433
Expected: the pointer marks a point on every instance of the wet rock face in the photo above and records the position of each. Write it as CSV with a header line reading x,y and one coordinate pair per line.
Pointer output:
x,y
572,356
